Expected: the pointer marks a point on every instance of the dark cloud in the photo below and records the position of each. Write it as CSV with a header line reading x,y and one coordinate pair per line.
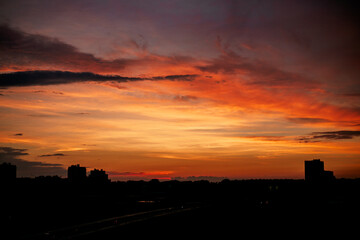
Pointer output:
x,y
258,72
24,51
335,135
20,49
267,138
188,77
185,98
9,151
355,95
53,155
308,120
226,63
328,41
82,113
33,78
42,115
29,168
18,134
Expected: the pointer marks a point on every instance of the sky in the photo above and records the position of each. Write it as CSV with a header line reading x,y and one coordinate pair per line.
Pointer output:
x,y
180,89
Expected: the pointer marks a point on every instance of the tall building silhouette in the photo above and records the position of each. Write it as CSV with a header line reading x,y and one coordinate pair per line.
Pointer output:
x,y
7,172
98,176
314,171
76,173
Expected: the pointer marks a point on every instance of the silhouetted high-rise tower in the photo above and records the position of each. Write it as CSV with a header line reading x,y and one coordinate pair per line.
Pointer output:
x,y
98,176
314,171
76,173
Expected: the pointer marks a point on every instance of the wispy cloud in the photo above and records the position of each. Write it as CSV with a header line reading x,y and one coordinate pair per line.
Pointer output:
x,y
332,135
53,155
308,120
185,98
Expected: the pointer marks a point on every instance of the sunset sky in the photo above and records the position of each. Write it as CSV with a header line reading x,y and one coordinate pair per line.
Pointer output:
x,y
179,88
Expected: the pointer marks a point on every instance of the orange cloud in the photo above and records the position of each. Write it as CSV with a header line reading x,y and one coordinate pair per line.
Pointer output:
x,y
231,115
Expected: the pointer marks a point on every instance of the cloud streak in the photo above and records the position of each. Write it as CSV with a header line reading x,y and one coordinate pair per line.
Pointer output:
x,y
53,155
308,120
36,78
332,135
32,78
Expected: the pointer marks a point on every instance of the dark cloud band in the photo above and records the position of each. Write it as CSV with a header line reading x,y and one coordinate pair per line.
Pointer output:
x,y
53,155
33,78
332,135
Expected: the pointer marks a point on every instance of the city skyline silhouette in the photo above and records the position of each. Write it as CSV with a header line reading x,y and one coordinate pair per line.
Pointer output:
x,y
59,207
313,172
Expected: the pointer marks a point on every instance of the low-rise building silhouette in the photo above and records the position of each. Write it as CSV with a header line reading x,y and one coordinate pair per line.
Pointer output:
x,y
314,171
98,176
76,173
7,172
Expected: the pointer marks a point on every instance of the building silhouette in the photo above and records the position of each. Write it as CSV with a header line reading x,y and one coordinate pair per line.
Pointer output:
x,y
98,176
314,171
76,173
7,172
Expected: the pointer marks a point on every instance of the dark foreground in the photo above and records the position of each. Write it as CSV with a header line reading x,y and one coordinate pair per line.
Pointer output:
x,y
56,209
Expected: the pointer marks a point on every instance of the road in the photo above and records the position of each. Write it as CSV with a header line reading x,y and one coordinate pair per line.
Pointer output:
x,y
104,226
206,221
